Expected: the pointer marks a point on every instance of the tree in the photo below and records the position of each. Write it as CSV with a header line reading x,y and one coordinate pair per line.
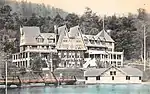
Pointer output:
x,y
142,15
72,20
6,9
58,20
56,60
36,64
141,20
33,21
89,20
126,41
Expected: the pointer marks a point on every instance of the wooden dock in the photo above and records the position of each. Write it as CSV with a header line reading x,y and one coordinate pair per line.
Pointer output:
x,y
45,81
34,79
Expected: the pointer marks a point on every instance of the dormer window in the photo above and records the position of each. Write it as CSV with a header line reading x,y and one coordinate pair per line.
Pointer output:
x,y
51,39
86,40
40,39
98,41
64,40
92,41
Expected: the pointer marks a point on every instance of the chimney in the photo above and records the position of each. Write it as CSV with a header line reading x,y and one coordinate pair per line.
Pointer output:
x,y
55,29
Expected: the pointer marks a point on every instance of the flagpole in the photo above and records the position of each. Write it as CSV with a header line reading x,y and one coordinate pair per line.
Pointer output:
x,y
6,76
103,22
144,48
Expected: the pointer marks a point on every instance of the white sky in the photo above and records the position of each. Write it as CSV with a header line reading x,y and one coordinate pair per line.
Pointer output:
x,y
101,7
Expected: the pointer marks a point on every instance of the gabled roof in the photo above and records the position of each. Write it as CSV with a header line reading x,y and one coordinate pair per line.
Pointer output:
x,y
63,33
132,71
93,37
48,35
31,33
74,31
94,72
62,29
39,36
104,34
89,37
71,40
125,71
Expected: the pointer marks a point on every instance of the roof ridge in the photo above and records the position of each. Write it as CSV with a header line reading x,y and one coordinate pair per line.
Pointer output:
x,y
104,34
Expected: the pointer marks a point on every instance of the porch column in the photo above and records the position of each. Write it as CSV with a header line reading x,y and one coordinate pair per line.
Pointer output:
x,y
116,60
28,59
122,59
109,58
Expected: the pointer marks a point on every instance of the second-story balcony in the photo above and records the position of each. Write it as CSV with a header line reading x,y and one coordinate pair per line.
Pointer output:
x,y
41,50
95,45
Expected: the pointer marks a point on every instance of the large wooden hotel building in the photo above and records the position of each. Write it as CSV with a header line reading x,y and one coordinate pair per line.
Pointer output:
x,y
76,50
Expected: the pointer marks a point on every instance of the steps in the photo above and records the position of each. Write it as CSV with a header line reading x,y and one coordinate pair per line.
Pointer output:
x,y
90,62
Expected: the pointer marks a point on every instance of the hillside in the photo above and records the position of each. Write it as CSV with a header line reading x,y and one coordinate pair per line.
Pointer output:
x,y
127,31
26,9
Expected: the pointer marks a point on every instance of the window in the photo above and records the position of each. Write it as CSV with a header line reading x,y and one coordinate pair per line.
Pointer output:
x,y
85,40
86,78
119,63
78,40
118,56
23,63
127,77
112,72
103,43
15,63
98,78
112,77
78,56
40,40
114,56
26,55
110,44
14,57
64,40
23,55
92,41
109,49
73,56
52,47
140,78
69,56
50,41
34,47
98,41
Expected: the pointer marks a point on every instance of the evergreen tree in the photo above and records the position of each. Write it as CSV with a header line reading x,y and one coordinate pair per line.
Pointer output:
x,y
72,20
58,20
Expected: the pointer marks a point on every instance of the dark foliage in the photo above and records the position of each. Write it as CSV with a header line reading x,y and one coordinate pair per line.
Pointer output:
x,y
126,31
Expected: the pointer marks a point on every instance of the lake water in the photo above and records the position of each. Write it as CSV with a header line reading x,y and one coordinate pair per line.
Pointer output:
x,y
87,89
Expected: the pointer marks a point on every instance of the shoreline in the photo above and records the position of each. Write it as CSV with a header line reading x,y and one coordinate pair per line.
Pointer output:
x,y
79,85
